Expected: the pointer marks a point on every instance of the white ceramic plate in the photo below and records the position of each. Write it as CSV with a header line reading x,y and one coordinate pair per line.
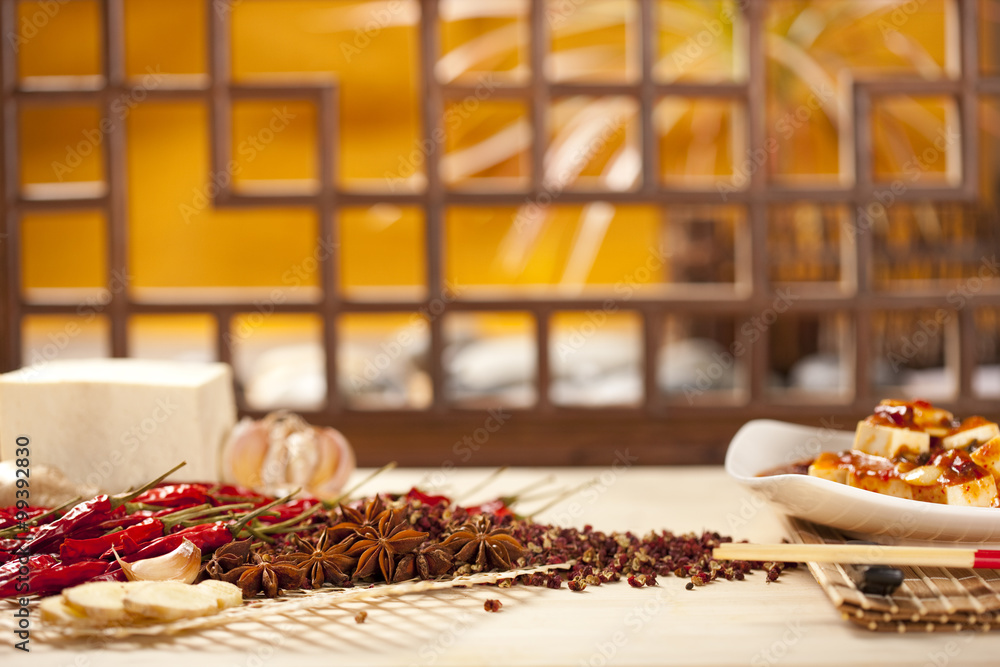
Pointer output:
x,y
765,444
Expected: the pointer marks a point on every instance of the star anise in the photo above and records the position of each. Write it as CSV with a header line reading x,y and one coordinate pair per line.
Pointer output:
x,y
353,521
378,546
480,542
264,575
324,561
430,560
225,558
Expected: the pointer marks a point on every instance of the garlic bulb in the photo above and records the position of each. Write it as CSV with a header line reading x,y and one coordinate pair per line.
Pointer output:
x,y
182,564
281,453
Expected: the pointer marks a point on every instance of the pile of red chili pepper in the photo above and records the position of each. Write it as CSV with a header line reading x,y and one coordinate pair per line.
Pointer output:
x,y
265,544
44,551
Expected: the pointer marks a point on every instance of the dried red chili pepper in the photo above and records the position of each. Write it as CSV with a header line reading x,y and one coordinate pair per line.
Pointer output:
x,y
130,520
497,508
427,499
117,575
176,495
52,579
11,545
72,550
207,537
228,493
288,510
87,514
11,572
10,517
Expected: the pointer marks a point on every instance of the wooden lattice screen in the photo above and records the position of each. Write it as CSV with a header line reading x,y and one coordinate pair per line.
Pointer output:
x,y
663,428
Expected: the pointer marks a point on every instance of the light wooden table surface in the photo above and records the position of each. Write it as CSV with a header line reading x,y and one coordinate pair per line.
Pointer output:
x,y
726,623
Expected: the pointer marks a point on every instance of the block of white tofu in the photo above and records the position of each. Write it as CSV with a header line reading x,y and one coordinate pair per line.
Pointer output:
x,y
116,423
987,456
889,441
924,483
936,421
828,466
980,492
964,438
930,494
890,487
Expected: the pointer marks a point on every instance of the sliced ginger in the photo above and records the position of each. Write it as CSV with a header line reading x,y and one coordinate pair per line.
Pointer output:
x,y
106,603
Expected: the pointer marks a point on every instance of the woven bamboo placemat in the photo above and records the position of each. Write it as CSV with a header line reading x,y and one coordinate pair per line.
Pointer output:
x,y
931,599
267,608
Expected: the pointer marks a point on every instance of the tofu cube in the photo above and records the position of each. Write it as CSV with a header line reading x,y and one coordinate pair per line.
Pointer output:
x,y
117,423
987,456
936,421
889,441
880,484
827,466
962,439
980,492
930,494
924,484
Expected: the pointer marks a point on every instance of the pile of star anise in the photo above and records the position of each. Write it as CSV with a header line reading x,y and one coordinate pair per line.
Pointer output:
x,y
380,540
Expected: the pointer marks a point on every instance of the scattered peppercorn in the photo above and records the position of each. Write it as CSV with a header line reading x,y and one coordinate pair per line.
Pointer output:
x,y
492,605
594,557
361,617
689,586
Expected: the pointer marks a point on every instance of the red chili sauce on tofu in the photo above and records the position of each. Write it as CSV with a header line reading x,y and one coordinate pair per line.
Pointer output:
x,y
969,424
825,459
866,465
897,416
957,466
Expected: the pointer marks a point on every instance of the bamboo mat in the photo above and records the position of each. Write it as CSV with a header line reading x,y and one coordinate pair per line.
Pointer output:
x,y
266,609
931,599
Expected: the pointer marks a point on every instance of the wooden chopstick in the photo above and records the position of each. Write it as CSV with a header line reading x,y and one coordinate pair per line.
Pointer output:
x,y
860,554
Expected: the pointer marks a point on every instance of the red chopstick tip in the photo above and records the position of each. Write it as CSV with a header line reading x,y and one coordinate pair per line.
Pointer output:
x,y
987,558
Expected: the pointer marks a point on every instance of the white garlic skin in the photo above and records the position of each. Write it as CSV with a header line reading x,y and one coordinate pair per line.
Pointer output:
x,y
281,453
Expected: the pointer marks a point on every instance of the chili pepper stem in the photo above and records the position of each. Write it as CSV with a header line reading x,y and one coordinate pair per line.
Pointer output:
x,y
119,500
198,515
544,495
235,499
250,516
287,523
290,529
132,508
331,504
480,485
519,495
202,511
562,496
260,536
33,521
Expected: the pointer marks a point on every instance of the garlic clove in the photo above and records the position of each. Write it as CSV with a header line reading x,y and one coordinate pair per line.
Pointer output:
x,y
337,464
244,453
182,564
